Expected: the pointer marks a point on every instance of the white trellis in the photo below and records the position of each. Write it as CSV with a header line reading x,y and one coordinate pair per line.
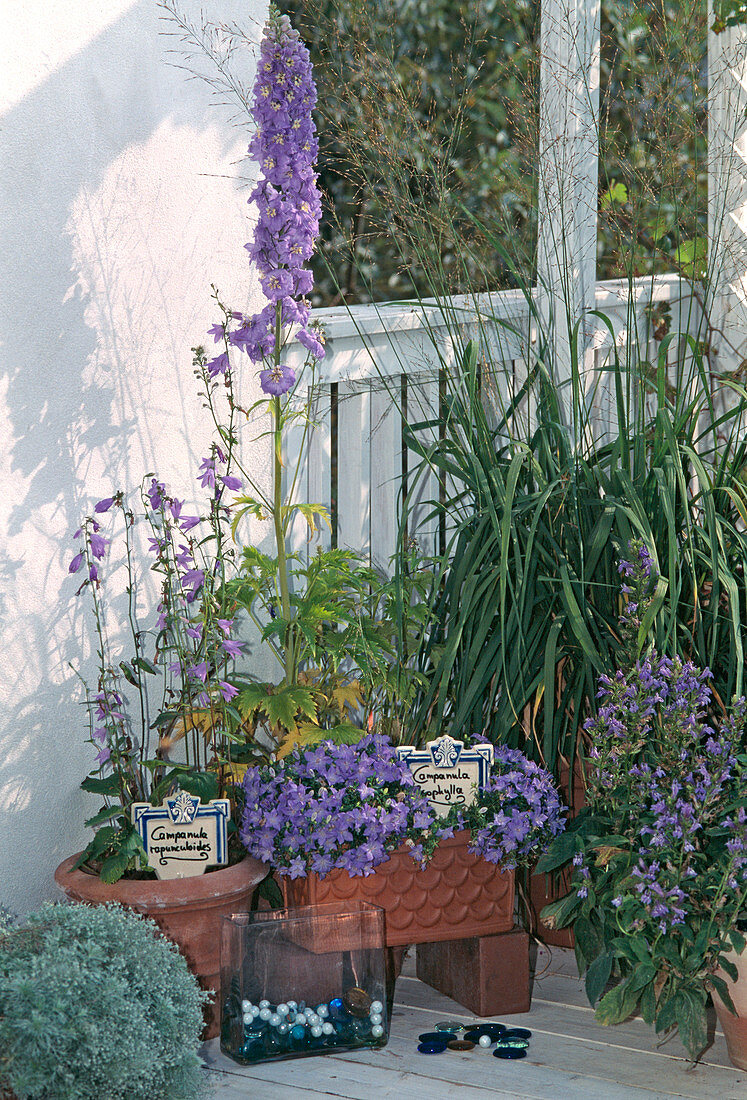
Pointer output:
x,y
356,458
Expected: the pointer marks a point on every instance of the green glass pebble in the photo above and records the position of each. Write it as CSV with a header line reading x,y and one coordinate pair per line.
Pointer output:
x,y
449,1025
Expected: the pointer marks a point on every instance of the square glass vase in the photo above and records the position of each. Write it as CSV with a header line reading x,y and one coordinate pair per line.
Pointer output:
x,y
297,982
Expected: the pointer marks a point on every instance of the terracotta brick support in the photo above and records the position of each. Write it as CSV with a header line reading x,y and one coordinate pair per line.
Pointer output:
x,y
489,975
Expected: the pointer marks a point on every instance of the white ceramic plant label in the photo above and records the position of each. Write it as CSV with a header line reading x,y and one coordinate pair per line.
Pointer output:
x,y
447,773
183,836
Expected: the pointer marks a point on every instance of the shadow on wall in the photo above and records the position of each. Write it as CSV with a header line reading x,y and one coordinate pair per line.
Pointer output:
x,y
122,184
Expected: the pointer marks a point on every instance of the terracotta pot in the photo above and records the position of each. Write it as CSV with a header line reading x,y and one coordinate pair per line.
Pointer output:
x,y
735,1027
457,894
544,889
189,911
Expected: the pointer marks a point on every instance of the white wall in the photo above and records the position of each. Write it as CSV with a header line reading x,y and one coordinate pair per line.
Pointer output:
x,y
124,197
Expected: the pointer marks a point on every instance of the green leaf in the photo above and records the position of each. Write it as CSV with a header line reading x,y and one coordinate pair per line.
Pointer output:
x,y
597,977
165,718
737,940
285,703
615,195
114,867
129,673
722,988
202,784
104,814
561,913
96,785
691,258
562,850
690,1012
588,941
617,1004
648,1004
146,665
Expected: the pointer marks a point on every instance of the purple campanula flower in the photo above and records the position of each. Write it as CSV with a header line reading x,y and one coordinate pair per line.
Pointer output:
x,y
226,625
232,647
198,671
277,380
207,478
188,522
104,505
98,545
156,494
93,573
231,482
194,580
76,563
103,755
228,691
219,365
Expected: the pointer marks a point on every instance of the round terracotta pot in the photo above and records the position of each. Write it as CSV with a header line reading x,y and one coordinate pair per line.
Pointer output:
x,y
735,1027
456,895
189,911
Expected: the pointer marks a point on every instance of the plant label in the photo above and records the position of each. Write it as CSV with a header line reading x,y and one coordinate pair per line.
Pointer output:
x,y
183,837
447,773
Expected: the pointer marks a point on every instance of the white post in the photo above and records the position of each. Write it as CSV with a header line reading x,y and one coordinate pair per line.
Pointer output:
x,y
568,170
727,197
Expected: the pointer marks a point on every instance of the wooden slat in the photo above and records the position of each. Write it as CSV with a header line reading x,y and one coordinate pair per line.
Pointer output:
x,y
570,1057
354,467
386,475
319,459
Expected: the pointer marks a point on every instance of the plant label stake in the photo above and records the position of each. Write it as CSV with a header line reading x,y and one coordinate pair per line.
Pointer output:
x,y
447,773
183,837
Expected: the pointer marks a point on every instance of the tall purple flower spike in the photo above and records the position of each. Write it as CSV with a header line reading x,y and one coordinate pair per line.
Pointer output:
x,y
286,194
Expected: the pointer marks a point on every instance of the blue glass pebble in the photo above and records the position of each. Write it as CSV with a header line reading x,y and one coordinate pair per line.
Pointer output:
x,y
431,1048
434,1037
517,1033
510,1052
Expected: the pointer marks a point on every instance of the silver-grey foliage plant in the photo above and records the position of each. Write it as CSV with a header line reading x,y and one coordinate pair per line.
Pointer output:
x,y
96,1004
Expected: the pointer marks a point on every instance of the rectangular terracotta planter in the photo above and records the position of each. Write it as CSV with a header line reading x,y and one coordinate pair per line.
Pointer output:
x,y
457,894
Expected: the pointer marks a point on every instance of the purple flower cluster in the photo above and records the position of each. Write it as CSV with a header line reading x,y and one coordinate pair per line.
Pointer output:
x,y
671,787
517,812
348,806
288,202
638,586
336,806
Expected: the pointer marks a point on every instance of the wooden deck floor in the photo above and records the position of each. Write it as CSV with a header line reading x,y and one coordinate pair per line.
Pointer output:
x,y
570,1057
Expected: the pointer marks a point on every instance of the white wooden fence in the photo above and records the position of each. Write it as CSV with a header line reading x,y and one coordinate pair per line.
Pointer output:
x,y
384,364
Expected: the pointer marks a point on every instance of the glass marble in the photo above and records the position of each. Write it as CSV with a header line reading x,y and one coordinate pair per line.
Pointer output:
x,y
377,1031
485,1041
432,1048
376,1006
323,1011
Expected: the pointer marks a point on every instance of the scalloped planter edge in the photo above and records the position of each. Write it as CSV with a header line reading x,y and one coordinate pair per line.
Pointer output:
x,y
188,911
457,894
